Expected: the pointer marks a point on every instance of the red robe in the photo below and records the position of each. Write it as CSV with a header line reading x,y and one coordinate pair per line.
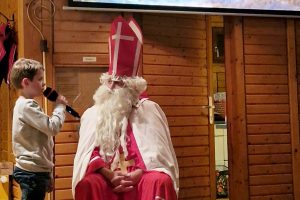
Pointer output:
x,y
152,186
148,144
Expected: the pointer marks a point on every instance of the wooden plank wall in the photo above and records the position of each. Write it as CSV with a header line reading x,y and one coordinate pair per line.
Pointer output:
x,y
4,124
294,27
267,109
174,64
293,101
7,95
297,30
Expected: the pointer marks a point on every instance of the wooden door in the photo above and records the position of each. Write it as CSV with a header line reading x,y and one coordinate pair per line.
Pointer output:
x,y
263,120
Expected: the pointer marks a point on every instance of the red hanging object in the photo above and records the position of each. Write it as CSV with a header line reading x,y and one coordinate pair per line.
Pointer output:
x,y
8,47
2,38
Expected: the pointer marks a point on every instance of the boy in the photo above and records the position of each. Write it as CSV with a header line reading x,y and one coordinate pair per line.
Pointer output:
x,y
32,130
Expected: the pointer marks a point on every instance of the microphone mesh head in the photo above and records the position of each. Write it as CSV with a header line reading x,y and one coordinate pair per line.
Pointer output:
x,y
47,91
50,94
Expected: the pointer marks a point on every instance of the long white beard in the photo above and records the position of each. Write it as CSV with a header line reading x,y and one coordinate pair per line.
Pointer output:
x,y
113,109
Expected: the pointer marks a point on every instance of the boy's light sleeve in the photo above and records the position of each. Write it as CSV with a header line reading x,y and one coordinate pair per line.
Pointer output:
x,y
34,116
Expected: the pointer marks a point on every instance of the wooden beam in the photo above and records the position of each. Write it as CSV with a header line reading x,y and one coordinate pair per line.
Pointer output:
x,y
293,101
212,161
236,109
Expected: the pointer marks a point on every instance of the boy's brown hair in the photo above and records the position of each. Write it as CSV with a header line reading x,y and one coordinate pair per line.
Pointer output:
x,y
24,68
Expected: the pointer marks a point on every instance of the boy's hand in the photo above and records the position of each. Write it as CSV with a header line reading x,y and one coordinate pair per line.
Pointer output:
x,y
61,100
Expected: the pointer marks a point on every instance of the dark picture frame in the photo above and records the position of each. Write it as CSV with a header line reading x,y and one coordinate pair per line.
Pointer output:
x,y
218,45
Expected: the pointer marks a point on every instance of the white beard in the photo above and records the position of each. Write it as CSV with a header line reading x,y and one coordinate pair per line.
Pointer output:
x,y
113,110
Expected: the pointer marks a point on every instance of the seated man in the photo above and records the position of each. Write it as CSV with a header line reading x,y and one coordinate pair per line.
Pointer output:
x,y
125,150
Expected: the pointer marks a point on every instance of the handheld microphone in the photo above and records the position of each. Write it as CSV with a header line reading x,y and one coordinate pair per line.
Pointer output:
x,y
52,95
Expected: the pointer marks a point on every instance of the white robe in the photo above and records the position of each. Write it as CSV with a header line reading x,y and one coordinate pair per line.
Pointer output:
x,y
150,128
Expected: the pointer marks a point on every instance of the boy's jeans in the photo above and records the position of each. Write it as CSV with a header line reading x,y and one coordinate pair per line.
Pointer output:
x,y
34,185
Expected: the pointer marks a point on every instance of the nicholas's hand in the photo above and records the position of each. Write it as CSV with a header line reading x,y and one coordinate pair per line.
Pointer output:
x,y
135,176
130,180
117,178
121,183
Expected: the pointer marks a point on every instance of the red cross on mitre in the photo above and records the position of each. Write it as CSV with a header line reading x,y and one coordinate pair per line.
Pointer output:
x,y
125,45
